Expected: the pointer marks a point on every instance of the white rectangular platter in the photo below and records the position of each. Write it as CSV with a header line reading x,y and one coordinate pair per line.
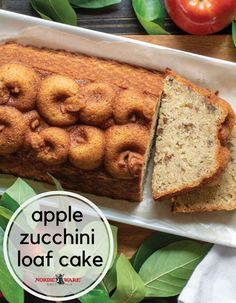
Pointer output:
x,y
212,73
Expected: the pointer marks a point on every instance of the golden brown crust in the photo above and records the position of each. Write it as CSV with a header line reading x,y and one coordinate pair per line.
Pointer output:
x,y
51,145
87,147
32,120
84,68
175,208
12,129
96,182
228,124
53,92
75,89
18,86
132,106
97,108
125,150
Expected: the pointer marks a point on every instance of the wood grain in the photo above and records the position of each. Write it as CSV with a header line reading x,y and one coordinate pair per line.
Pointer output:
x,y
221,46
217,46
116,19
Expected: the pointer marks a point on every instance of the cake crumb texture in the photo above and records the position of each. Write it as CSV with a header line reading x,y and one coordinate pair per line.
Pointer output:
x,y
221,196
193,126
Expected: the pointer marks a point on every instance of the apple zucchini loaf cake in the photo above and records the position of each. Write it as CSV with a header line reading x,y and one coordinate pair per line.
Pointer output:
x,y
194,125
87,121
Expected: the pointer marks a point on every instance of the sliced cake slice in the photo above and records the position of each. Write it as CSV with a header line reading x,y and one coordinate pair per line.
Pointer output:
x,y
222,196
193,126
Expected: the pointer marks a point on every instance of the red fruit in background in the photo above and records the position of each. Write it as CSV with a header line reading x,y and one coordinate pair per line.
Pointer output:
x,y
1,295
201,17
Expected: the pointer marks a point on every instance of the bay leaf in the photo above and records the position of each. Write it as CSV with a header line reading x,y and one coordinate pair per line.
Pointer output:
x,y
97,295
41,14
151,9
152,243
56,10
114,230
57,183
17,194
93,3
167,270
109,282
151,14
5,213
130,288
8,286
234,31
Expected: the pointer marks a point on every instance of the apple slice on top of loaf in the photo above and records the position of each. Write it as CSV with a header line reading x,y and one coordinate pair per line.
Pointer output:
x,y
194,125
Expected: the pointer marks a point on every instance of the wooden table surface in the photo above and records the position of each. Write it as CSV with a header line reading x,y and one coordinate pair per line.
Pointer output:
x,y
116,19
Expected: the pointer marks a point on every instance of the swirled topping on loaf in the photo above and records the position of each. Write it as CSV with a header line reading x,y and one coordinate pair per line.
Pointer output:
x,y
193,126
86,124
18,86
125,150
87,121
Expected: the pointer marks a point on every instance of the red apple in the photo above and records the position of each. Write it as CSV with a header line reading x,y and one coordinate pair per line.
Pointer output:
x,y
1,295
201,17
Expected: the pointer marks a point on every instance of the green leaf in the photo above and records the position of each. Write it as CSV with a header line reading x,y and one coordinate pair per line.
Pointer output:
x,y
151,9
3,223
114,230
154,242
151,14
17,194
57,183
166,271
34,6
234,31
97,295
57,10
110,280
10,289
130,287
5,213
93,3
156,300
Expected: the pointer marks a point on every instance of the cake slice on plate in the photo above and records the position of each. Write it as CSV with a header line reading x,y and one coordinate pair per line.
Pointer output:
x,y
222,196
194,125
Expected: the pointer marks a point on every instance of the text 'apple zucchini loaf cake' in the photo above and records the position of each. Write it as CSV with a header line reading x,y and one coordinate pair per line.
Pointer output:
x,y
87,121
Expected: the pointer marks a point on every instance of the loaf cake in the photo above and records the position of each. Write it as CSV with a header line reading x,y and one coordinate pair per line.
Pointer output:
x,y
87,121
221,196
194,125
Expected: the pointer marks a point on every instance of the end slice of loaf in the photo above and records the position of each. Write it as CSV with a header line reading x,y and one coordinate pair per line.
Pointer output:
x,y
194,124
219,197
